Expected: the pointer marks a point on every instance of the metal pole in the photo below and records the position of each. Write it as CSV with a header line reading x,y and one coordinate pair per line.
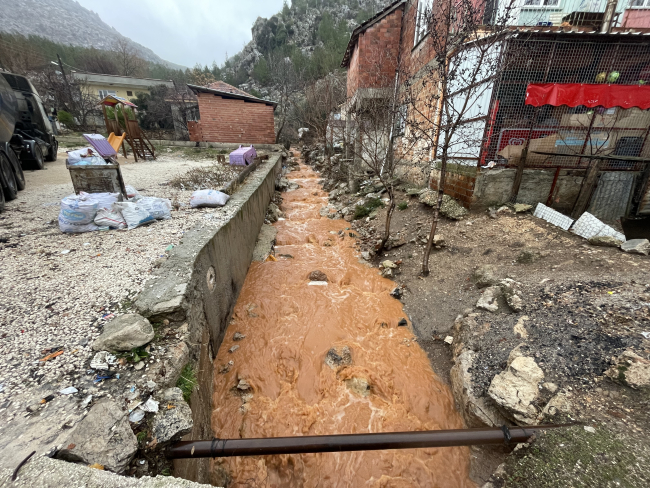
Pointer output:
x,y
608,17
353,442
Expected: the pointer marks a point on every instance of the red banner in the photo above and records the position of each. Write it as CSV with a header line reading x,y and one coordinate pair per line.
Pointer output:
x,y
575,94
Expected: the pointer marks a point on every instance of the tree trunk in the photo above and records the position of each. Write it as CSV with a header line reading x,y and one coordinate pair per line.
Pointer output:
x,y
436,214
389,216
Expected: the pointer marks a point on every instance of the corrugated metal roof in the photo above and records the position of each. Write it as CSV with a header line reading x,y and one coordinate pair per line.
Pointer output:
x,y
234,93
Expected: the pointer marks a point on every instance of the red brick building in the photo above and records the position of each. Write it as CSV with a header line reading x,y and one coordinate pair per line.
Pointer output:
x,y
230,115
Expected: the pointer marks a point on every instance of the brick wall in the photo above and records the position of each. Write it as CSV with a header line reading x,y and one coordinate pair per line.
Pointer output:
x,y
234,121
457,185
374,60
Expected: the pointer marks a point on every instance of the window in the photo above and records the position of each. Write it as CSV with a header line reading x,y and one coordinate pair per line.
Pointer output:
x,y
129,93
544,3
640,3
105,93
422,20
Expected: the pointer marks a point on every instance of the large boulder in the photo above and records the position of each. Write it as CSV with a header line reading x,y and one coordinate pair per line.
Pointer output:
x,y
517,388
124,333
103,437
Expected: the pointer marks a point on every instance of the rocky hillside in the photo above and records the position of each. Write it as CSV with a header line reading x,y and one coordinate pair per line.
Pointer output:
x,y
312,33
65,22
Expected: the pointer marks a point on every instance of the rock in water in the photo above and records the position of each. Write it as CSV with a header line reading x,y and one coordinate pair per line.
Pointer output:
x,y
606,241
124,333
104,437
637,246
317,276
516,389
338,357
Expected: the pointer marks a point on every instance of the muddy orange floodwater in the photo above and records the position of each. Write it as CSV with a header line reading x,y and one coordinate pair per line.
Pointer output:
x,y
289,390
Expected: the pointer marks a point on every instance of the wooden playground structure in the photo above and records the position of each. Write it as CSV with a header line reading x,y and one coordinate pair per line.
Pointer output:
x,y
127,129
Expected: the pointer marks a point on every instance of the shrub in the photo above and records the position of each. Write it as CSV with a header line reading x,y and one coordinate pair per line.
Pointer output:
x,y
362,211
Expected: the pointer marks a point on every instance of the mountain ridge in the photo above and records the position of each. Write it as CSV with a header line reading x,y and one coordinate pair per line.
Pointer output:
x,y
74,25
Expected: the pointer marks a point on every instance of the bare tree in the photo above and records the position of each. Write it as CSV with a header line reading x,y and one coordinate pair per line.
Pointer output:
x,y
464,40
316,110
289,85
128,61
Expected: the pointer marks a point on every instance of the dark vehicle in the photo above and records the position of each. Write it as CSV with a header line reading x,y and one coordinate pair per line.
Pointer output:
x,y
26,135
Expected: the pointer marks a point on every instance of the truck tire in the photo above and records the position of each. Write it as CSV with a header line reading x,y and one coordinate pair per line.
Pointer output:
x,y
2,201
9,187
39,161
18,171
52,151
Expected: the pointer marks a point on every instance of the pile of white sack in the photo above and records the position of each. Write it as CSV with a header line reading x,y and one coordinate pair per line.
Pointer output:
x,y
89,212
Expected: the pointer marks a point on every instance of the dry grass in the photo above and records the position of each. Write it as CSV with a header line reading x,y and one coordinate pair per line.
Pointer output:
x,y
213,177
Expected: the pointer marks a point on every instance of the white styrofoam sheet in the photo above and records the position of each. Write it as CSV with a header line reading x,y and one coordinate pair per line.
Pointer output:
x,y
553,216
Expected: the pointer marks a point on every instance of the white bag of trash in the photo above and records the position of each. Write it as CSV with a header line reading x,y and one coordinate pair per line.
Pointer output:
x,y
105,200
85,156
160,208
132,194
111,219
134,214
78,213
208,198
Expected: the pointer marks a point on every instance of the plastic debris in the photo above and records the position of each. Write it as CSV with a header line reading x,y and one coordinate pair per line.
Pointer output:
x,y
52,356
169,248
644,334
69,390
86,401
317,283
65,251
553,216
48,398
150,405
102,360
136,416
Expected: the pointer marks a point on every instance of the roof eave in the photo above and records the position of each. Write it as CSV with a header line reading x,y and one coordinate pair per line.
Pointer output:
x,y
196,88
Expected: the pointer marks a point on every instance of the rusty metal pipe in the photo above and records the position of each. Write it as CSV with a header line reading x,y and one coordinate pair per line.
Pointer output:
x,y
353,442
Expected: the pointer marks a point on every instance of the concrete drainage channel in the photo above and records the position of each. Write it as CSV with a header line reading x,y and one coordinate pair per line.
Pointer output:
x,y
189,301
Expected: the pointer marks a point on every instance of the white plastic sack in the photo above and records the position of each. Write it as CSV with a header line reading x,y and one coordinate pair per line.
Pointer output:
x,y
111,218
160,208
135,215
132,194
104,200
78,213
85,156
208,198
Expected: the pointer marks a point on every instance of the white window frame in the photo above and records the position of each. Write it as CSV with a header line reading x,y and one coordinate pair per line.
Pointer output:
x,y
542,4
422,20
104,93
645,4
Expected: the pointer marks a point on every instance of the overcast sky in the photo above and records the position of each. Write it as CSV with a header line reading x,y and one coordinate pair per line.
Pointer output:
x,y
186,31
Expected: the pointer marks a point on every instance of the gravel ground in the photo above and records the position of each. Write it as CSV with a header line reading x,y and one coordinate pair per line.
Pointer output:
x,y
59,289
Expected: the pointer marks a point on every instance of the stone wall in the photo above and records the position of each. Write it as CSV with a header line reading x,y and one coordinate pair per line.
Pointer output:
x,y
197,289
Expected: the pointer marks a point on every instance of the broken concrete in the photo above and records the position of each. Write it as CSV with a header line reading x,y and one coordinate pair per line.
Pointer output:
x,y
124,333
605,241
174,420
489,299
43,472
103,437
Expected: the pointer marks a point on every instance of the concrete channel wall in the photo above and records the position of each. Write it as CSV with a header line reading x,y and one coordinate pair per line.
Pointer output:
x,y
197,287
